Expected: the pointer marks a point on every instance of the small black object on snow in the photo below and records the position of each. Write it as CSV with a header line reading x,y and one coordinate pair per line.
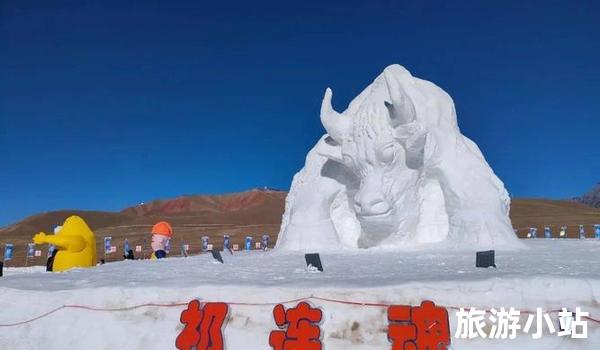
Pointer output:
x,y
217,255
485,259
314,260
129,255
50,261
1,268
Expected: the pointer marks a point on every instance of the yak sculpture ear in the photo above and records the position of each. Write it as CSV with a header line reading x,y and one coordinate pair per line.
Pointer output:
x,y
401,108
403,118
414,138
330,149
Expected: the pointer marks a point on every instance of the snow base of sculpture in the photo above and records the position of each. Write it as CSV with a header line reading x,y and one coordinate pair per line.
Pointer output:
x,y
449,278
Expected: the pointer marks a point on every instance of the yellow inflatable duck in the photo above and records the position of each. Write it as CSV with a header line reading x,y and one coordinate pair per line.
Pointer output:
x,y
76,244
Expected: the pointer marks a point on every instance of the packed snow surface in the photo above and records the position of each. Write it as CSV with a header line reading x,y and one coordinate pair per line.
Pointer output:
x,y
551,274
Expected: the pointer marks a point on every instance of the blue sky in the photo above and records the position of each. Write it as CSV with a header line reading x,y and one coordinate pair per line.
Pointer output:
x,y
104,104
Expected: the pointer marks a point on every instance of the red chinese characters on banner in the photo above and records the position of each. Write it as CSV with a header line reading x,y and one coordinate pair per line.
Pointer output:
x,y
203,325
302,333
424,327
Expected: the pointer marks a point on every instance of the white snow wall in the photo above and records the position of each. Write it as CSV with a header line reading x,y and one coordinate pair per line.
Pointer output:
x,y
395,171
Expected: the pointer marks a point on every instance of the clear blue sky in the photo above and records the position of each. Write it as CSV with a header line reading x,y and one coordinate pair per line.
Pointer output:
x,y
104,104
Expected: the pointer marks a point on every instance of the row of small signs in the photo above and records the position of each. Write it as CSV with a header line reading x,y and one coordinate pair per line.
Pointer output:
x,y
9,250
249,244
563,232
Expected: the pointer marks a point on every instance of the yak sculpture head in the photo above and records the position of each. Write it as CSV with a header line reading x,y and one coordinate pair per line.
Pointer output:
x,y
383,146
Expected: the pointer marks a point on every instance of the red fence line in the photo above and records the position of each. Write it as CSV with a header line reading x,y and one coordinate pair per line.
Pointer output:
x,y
179,304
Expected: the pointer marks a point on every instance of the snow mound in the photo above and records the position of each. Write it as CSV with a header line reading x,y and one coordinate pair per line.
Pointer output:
x,y
524,281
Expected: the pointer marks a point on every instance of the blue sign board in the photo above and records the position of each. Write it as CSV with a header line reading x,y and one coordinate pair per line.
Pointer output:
x,y
30,250
204,243
184,251
248,245
265,242
51,248
8,251
597,231
107,244
126,246
547,232
168,246
226,242
533,232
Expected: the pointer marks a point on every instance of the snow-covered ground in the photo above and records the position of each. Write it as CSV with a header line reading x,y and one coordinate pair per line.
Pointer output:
x,y
552,274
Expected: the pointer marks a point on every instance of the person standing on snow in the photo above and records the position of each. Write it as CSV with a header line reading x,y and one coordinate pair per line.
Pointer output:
x,y
161,233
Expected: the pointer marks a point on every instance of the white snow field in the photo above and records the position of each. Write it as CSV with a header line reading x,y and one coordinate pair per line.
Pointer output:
x,y
551,274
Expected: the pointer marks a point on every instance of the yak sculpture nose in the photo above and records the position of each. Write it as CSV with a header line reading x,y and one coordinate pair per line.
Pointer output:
x,y
371,204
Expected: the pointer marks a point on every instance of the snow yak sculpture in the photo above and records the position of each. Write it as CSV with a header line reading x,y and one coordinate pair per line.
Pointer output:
x,y
394,171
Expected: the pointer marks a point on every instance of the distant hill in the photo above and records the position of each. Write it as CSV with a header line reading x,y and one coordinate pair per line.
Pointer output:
x,y
254,206
255,212
538,213
591,198
250,213
244,207
48,220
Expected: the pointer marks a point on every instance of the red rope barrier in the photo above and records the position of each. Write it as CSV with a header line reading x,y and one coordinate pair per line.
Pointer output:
x,y
179,304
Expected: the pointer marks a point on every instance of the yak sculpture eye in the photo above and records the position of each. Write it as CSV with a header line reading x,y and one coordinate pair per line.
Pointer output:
x,y
387,154
348,160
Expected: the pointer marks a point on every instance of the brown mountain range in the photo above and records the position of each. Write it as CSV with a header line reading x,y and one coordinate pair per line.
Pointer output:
x,y
255,212
251,213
